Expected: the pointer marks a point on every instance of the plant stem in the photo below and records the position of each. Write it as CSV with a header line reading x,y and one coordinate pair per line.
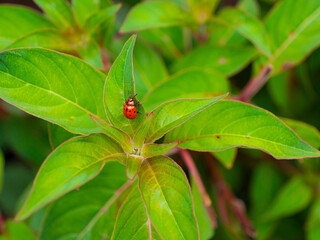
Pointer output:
x,y
105,59
205,197
225,196
255,84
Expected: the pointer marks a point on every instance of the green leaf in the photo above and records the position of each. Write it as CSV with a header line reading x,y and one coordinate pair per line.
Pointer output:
x,y
248,26
307,132
86,8
149,68
119,86
250,6
313,221
69,166
226,157
181,85
1,169
49,85
294,37
140,136
59,12
132,220
115,133
90,212
292,198
90,52
153,14
150,149
263,189
19,21
172,114
99,17
58,135
168,199
17,231
205,227
236,124
48,38
219,58
133,165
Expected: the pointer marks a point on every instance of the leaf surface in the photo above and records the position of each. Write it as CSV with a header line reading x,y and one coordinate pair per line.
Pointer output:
x,y
49,85
69,166
168,199
229,124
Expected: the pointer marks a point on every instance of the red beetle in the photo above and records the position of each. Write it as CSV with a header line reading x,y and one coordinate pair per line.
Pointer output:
x,y
129,109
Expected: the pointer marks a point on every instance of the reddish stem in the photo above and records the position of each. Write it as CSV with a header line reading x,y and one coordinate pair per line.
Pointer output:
x,y
225,196
1,223
255,84
105,59
205,197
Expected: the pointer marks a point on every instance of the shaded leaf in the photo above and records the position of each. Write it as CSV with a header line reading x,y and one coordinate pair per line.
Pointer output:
x,y
205,228
90,212
294,37
140,136
313,221
153,14
181,85
72,164
133,165
237,124
226,157
149,69
58,135
171,114
19,21
248,26
168,199
119,87
59,12
250,6
292,198
91,53
51,87
219,58
1,169
17,231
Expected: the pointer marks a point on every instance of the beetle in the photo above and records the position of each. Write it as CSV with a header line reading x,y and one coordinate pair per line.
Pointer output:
x,y
129,108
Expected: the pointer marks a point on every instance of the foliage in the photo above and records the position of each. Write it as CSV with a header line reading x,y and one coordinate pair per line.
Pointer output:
x,y
196,71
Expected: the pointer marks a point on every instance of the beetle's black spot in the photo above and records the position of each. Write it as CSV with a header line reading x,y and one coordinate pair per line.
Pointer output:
x,y
129,110
134,111
129,115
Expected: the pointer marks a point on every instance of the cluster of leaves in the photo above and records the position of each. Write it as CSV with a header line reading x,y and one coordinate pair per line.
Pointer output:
x,y
187,55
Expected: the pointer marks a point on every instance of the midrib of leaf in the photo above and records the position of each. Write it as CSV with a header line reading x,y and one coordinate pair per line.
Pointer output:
x,y
56,94
155,177
104,209
243,136
298,31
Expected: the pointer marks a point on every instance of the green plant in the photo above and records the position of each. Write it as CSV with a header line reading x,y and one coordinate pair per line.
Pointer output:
x,y
127,184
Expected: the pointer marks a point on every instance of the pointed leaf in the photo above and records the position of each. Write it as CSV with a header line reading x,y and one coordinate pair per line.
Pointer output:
x,y
222,59
168,199
19,21
153,14
132,220
133,165
90,212
181,85
50,86
69,166
226,157
152,149
231,124
294,197
171,114
15,231
119,87
294,37
59,12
